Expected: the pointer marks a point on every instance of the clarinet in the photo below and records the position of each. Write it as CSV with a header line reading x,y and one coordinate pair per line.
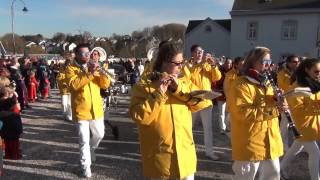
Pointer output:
x,y
280,98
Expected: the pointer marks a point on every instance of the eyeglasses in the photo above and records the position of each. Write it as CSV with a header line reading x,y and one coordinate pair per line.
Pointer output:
x,y
295,62
316,72
84,53
266,62
177,63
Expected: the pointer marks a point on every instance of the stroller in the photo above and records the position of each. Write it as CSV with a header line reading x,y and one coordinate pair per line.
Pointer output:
x,y
109,98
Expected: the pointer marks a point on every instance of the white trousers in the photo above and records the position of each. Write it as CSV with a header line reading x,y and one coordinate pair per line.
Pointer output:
x,y
96,127
222,116
66,106
206,118
312,149
191,177
247,170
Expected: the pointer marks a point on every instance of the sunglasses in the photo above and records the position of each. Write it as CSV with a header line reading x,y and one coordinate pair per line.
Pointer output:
x,y
266,62
295,62
177,63
84,53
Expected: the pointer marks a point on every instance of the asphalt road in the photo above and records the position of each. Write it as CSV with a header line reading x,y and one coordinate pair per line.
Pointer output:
x,y
50,148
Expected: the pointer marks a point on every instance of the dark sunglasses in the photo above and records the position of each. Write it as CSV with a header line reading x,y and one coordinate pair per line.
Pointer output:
x,y
316,72
177,63
295,62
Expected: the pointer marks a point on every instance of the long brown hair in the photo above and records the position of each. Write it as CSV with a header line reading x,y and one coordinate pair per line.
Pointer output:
x,y
167,52
255,54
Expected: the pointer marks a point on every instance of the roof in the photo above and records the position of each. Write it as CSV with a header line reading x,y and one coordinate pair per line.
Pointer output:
x,y
225,23
274,4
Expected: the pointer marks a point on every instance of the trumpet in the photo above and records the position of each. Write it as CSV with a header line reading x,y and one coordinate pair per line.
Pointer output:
x,y
101,70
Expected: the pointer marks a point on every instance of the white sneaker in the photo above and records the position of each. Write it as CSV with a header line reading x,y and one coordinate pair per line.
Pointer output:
x,y
86,172
212,156
93,155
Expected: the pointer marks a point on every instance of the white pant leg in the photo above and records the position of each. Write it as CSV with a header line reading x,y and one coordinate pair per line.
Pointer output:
x,y
190,177
295,149
245,170
206,118
69,110
284,131
313,159
64,103
270,169
221,115
84,143
66,106
97,131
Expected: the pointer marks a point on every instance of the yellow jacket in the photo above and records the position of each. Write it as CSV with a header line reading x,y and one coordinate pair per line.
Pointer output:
x,y
228,82
86,101
306,115
165,128
284,79
255,133
202,75
61,78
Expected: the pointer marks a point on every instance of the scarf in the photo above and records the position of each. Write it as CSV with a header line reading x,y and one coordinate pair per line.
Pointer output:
x,y
313,85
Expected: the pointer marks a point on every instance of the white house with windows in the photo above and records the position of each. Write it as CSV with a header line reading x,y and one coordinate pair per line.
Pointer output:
x,y
212,35
284,26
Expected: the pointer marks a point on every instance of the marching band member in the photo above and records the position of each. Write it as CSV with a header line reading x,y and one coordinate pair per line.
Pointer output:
x,y
85,82
285,83
161,107
255,134
306,113
228,82
64,91
203,72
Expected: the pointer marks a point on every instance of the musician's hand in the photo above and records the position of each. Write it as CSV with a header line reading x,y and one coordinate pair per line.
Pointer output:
x,y
173,86
282,105
163,83
93,66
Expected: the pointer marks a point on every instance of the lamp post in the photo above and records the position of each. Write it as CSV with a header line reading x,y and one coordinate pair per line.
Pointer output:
x,y
12,18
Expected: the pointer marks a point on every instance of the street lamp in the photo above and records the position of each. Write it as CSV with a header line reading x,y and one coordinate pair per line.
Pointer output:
x,y
12,17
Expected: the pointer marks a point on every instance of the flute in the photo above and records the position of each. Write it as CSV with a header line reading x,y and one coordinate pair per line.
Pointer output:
x,y
280,97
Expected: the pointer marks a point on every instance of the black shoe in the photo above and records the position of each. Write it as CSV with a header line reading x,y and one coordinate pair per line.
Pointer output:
x,y
283,176
115,132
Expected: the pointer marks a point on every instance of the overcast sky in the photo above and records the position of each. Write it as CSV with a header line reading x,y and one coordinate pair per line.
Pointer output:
x,y
104,17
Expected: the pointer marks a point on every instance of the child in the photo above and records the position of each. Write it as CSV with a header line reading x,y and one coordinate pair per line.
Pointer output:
x,y
45,91
12,125
33,86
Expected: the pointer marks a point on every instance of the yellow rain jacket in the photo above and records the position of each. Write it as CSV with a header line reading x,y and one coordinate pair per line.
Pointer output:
x,y
165,128
306,115
86,101
202,75
228,82
255,133
61,78
284,79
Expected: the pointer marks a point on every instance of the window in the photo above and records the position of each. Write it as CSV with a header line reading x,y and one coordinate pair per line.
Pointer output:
x,y
208,28
289,30
252,31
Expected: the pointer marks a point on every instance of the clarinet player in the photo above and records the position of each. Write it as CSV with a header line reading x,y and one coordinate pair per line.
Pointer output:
x,y
255,135
306,113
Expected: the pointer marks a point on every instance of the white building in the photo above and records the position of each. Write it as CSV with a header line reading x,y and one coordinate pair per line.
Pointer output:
x,y
283,26
286,27
212,35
